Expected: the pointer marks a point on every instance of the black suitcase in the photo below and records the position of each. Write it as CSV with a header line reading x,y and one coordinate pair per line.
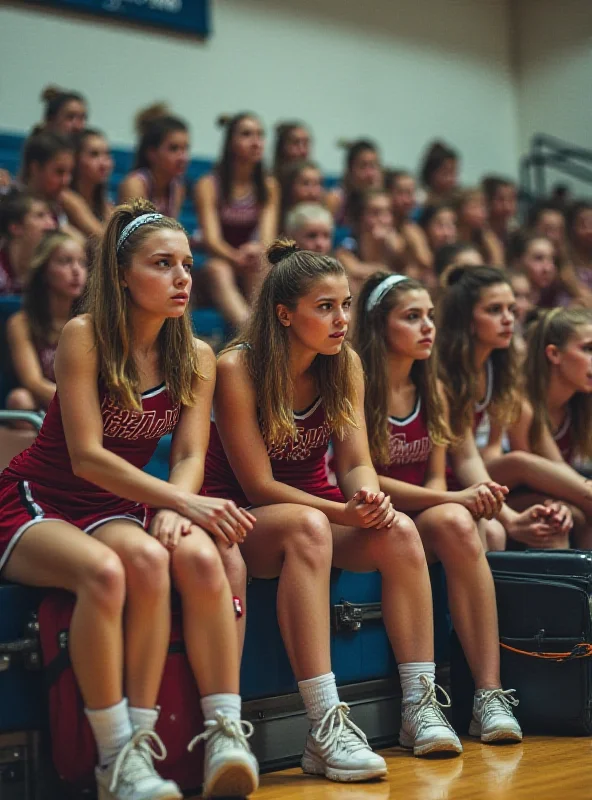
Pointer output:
x,y
544,601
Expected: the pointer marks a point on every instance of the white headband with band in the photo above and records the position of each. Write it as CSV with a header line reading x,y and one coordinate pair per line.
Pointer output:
x,y
381,290
136,223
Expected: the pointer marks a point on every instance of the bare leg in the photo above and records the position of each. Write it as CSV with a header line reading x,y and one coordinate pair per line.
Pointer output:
x,y
294,542
226,293
450,535
549,478
492,534
236,572
398,555
58,555
209,626
21,400
147,610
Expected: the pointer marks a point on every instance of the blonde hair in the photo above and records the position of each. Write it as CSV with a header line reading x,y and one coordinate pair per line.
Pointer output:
x,y
556,327
305,213
370,343
106,303
292,275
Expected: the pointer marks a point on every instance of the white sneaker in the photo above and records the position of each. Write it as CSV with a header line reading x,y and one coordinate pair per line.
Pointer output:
x,y
132,775
230,768
424,728
493,719
339,750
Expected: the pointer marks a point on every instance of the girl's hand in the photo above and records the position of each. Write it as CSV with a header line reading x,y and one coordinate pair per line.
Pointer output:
x,y
561,517
370,509
483,500
168,527
222,518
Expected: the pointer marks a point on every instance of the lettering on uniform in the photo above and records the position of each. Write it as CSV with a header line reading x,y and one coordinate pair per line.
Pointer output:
x,y
125,424
403,452
307,440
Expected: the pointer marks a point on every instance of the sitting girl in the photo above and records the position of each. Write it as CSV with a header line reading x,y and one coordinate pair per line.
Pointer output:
x,y
56,280
86,201
161,162
480,373
286,387
408,431
24,220
76,508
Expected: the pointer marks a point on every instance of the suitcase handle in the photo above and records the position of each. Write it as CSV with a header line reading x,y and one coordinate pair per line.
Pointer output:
x,y
348,616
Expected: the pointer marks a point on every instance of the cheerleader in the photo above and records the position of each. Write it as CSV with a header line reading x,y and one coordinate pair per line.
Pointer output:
x,y
408,432
286,387
479,370
76,508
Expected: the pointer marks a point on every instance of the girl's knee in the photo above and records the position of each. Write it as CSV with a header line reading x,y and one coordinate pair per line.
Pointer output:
x,y
21,400
103,582
147,566
457,534
199,568
310,536
402,540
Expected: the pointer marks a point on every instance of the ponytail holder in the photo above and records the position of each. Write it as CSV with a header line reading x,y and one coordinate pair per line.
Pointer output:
x,y
143,219
381,290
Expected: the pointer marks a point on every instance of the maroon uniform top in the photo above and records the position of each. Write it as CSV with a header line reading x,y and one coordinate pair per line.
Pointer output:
x,y
409,447
165,206
239,219
300,463
133,435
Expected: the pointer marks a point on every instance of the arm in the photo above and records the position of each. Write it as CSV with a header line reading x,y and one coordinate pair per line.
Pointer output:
x,y
268,222
236,419
130,187
333,200
418,245
77,369
26,361
204,197
79,214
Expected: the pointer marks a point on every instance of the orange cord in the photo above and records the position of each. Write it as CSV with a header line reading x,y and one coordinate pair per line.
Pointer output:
x,y
581,650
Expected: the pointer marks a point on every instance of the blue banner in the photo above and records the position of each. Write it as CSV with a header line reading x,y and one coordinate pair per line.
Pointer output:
x,y
187,16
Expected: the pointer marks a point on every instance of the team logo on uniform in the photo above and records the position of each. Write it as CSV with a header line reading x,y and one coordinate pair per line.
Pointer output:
x,y
403,452
125,424
300,448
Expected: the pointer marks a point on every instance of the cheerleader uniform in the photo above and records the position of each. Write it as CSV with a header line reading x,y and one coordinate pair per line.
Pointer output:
x,y
239,219
300,463
166,206
9,283
39,485
409,447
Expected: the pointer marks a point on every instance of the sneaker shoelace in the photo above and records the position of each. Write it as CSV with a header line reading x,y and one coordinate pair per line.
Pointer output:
x,y
234,730
136,756
337,726
496,701
429,707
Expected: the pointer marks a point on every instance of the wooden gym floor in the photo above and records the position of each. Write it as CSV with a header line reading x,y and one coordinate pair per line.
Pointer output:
x,y
542,768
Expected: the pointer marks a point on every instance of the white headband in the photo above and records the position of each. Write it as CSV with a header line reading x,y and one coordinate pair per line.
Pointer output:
x,y
381,290
136,223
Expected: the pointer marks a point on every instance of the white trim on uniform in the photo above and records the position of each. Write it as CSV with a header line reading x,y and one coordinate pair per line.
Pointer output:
x,y
16,538
406,420
154,391
310,410
92,528
482,405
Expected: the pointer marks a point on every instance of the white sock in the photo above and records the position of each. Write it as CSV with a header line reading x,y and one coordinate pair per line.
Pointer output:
x,y
112,729
319,695
227,704
413,689
143,718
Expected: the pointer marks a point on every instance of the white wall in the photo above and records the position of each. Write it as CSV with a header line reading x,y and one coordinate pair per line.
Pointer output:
x,y
554,71
402,71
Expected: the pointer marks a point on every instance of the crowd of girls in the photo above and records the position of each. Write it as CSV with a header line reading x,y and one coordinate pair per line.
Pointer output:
x,y
456,402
